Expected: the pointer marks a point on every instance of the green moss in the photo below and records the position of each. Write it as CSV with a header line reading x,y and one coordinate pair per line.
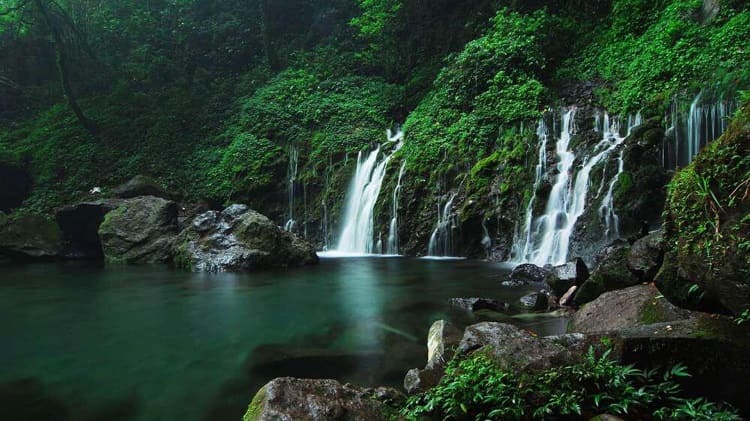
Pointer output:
x,y
255,408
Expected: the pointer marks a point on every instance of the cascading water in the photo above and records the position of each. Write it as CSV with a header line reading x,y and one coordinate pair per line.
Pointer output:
x,y
393,229
522,248
546,240
357,235
607,209
441,240
704,122
291,179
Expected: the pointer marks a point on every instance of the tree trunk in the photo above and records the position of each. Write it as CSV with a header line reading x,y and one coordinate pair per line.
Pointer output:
x,y
62,69
271,57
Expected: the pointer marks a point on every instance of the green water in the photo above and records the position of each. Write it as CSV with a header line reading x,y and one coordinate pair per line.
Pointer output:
x,y
88,342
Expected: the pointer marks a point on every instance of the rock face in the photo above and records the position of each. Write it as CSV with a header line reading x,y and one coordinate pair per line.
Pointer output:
x,y
290,399
646,256
611,273
80,228
707,226
239,239
631,307
29,237
140,186
139,230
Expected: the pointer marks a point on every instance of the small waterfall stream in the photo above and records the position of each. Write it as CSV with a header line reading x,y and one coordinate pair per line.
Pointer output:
x,y
393,229
705,121
357,234
546,239
291,180
441,240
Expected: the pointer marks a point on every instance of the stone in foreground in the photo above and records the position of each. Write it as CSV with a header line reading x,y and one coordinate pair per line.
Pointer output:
x,y
290,399
239,239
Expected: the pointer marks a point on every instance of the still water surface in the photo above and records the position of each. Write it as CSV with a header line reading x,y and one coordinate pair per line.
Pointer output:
x,y
150,343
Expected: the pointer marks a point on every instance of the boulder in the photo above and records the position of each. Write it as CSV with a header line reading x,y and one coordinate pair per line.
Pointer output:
x,y
567,275
290,399
80,227
536,301
139,230
476,304
140,186
529,273
515,349
611,273
645,256
567,298
29,237
239,239
631,307
442,341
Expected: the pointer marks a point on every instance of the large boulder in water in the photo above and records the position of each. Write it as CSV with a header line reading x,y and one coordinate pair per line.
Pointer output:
x,y
567,275
239,239
139,230
29,237
631,307
528,273
291,399
140,186
442,341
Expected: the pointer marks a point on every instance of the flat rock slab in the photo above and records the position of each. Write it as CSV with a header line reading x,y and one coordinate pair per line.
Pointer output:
x,y
631,307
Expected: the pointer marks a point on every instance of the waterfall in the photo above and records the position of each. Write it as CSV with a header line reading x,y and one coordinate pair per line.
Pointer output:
x,y
393,230
441,240
522,248
546,240
291,179
705,121
607,209
357,235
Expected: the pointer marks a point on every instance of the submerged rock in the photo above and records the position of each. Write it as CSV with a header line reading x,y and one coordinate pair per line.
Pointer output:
x,y
29,237
139,230
291,399
476,304
239,239
631,307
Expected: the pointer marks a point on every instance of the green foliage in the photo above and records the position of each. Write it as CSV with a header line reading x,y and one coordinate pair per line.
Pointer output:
x,y
652,50
474,388
376,15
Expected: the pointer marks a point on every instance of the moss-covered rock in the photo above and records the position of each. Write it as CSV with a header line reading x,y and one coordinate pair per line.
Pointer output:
x,y
140,230
29,237
707,225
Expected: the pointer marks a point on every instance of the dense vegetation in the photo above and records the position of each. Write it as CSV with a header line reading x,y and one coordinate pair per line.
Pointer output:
x,y
207,96
473,388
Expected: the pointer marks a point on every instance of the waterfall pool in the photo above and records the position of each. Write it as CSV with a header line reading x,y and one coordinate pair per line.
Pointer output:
x,y
82,341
